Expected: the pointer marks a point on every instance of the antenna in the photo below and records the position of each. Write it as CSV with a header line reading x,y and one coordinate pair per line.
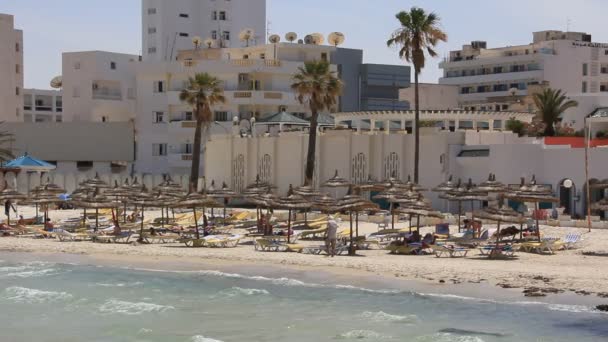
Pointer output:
x,y
568,23
336,38
291,37
275,38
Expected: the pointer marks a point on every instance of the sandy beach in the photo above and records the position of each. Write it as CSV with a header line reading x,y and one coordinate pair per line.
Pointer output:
x,y
581,271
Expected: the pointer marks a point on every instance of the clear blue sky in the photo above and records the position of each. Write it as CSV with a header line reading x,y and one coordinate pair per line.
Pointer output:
x,y
55,26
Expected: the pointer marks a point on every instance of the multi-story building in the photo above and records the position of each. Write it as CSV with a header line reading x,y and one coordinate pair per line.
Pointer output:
x,y
42,105
11,70
380,86
498,78
98,86
257,82
170,26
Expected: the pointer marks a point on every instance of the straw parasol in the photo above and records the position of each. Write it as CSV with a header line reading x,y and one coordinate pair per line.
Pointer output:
x,y
336,182
419,207
533,193
501,214
353,203
409,184
194,200
10,195
291,202
95,200
224,193
143,198
254,190
601,205
44,198
369,185
391,194
446,186
465,193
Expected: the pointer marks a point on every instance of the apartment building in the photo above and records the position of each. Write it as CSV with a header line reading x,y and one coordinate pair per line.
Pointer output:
x,y
42,106
257,82
169,26
98,86
11,70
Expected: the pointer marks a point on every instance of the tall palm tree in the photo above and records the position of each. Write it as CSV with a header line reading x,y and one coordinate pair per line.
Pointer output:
x,y
551,104
202,92
6,153
318,87
418,35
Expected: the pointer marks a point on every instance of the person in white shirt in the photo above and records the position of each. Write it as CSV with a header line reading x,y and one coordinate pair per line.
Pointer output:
x,y
332,236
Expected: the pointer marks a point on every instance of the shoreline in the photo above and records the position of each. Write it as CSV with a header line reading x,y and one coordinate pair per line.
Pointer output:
x,y
343,271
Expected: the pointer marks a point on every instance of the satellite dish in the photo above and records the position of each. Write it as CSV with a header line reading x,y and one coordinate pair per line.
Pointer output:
x,y
57,82
275,38
300,41
336,38
291,37
246,35
309,39
209,43
318,38
197,41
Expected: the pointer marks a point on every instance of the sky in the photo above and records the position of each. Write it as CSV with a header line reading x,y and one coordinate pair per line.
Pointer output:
x,y
55,26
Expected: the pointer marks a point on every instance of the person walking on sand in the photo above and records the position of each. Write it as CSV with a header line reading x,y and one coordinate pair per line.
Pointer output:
x,y
332,236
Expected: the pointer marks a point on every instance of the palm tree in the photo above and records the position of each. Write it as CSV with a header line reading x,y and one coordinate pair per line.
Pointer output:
x,y
318,87
418,35
6,138
551,104
202,92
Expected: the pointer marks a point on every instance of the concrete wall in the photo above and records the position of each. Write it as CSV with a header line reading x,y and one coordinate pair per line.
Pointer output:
x,y
432,96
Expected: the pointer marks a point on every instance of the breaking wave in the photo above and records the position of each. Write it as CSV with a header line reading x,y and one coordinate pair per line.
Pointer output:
x,y
33,296
114,306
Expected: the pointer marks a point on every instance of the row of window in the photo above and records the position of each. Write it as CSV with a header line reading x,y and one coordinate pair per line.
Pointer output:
x,y
215,15
160,117
225,36
495,87
493,70
113,65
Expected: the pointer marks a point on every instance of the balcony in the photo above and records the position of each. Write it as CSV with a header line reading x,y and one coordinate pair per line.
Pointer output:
x,y
261,97
181,160
493,78
107,94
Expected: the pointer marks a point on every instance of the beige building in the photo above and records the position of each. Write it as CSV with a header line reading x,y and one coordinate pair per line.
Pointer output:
x,y
432,96
11,70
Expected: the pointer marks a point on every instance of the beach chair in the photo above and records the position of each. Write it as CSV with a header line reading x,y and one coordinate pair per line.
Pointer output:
x,y
295,248
546,246
442,231
314,233
572,240
65,236
232,241
160,239
412,249
266,245
449,251
494,252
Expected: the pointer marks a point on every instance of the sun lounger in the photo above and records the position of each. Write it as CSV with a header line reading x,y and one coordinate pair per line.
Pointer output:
x,y
268,246
295,248
314,233
123,237
160,239
548,246
572,241
494,252
65,236
450,251
404,250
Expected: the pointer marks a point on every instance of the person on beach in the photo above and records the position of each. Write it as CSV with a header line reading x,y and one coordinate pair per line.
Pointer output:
x,y
48,225
332,236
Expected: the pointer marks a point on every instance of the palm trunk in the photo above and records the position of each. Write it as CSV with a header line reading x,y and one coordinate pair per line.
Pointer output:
x,y
549,129
196,154
312,147
416,128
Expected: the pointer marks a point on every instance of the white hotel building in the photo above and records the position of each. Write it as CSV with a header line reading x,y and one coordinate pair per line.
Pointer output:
x,y
257,82
494,78
169,26
11,70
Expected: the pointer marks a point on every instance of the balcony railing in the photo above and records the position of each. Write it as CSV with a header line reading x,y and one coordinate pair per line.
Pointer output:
x,y
187,157
107,94
188,124
242,94
273,96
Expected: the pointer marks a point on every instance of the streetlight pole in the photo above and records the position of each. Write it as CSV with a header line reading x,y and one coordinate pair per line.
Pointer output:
x,y
587,143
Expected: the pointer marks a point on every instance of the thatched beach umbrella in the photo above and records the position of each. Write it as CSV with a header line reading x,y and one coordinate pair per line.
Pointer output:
x,y
501,214
354,204
225,193
96,200
143,199
336,182
418,208
43,199
121,195
533,193
391,194
291,202
465,193
409,184
194,200
9,194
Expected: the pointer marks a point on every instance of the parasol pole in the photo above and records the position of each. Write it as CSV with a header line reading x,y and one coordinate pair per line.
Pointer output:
x,y
392,216
96,219
198,236
537,221
289,227
588,195
162,217
141,230
459,214
418,223
351,250
357,222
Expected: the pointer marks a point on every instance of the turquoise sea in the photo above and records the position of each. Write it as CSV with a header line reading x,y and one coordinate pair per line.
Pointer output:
x,y
47,301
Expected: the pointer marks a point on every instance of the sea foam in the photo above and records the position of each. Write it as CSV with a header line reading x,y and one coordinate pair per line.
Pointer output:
x,y
362,335
114,306
200,338
238,291
385,317
445,337
33,296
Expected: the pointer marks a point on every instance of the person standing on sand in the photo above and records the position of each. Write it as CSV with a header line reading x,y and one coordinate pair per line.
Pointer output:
x,y
332,236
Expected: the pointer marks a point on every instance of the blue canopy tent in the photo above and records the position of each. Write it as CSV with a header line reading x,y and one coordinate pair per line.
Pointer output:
x,y
29,163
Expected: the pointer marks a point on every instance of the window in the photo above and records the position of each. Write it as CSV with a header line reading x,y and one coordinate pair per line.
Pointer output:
x,y
585,67
159,150
104,119
113,65
18,68
187,148
84,165
226,35
222,15
151,30
77,66
183,34
262,56
184,15
497,70
152,50
188,116
584,90
159,117
58,118
17,47
151,11
214,15
324,56
17,91
159,87
214,35
221,116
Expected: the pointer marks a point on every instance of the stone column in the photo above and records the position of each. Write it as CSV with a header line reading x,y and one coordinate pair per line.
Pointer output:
x,y
372,125
387,126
